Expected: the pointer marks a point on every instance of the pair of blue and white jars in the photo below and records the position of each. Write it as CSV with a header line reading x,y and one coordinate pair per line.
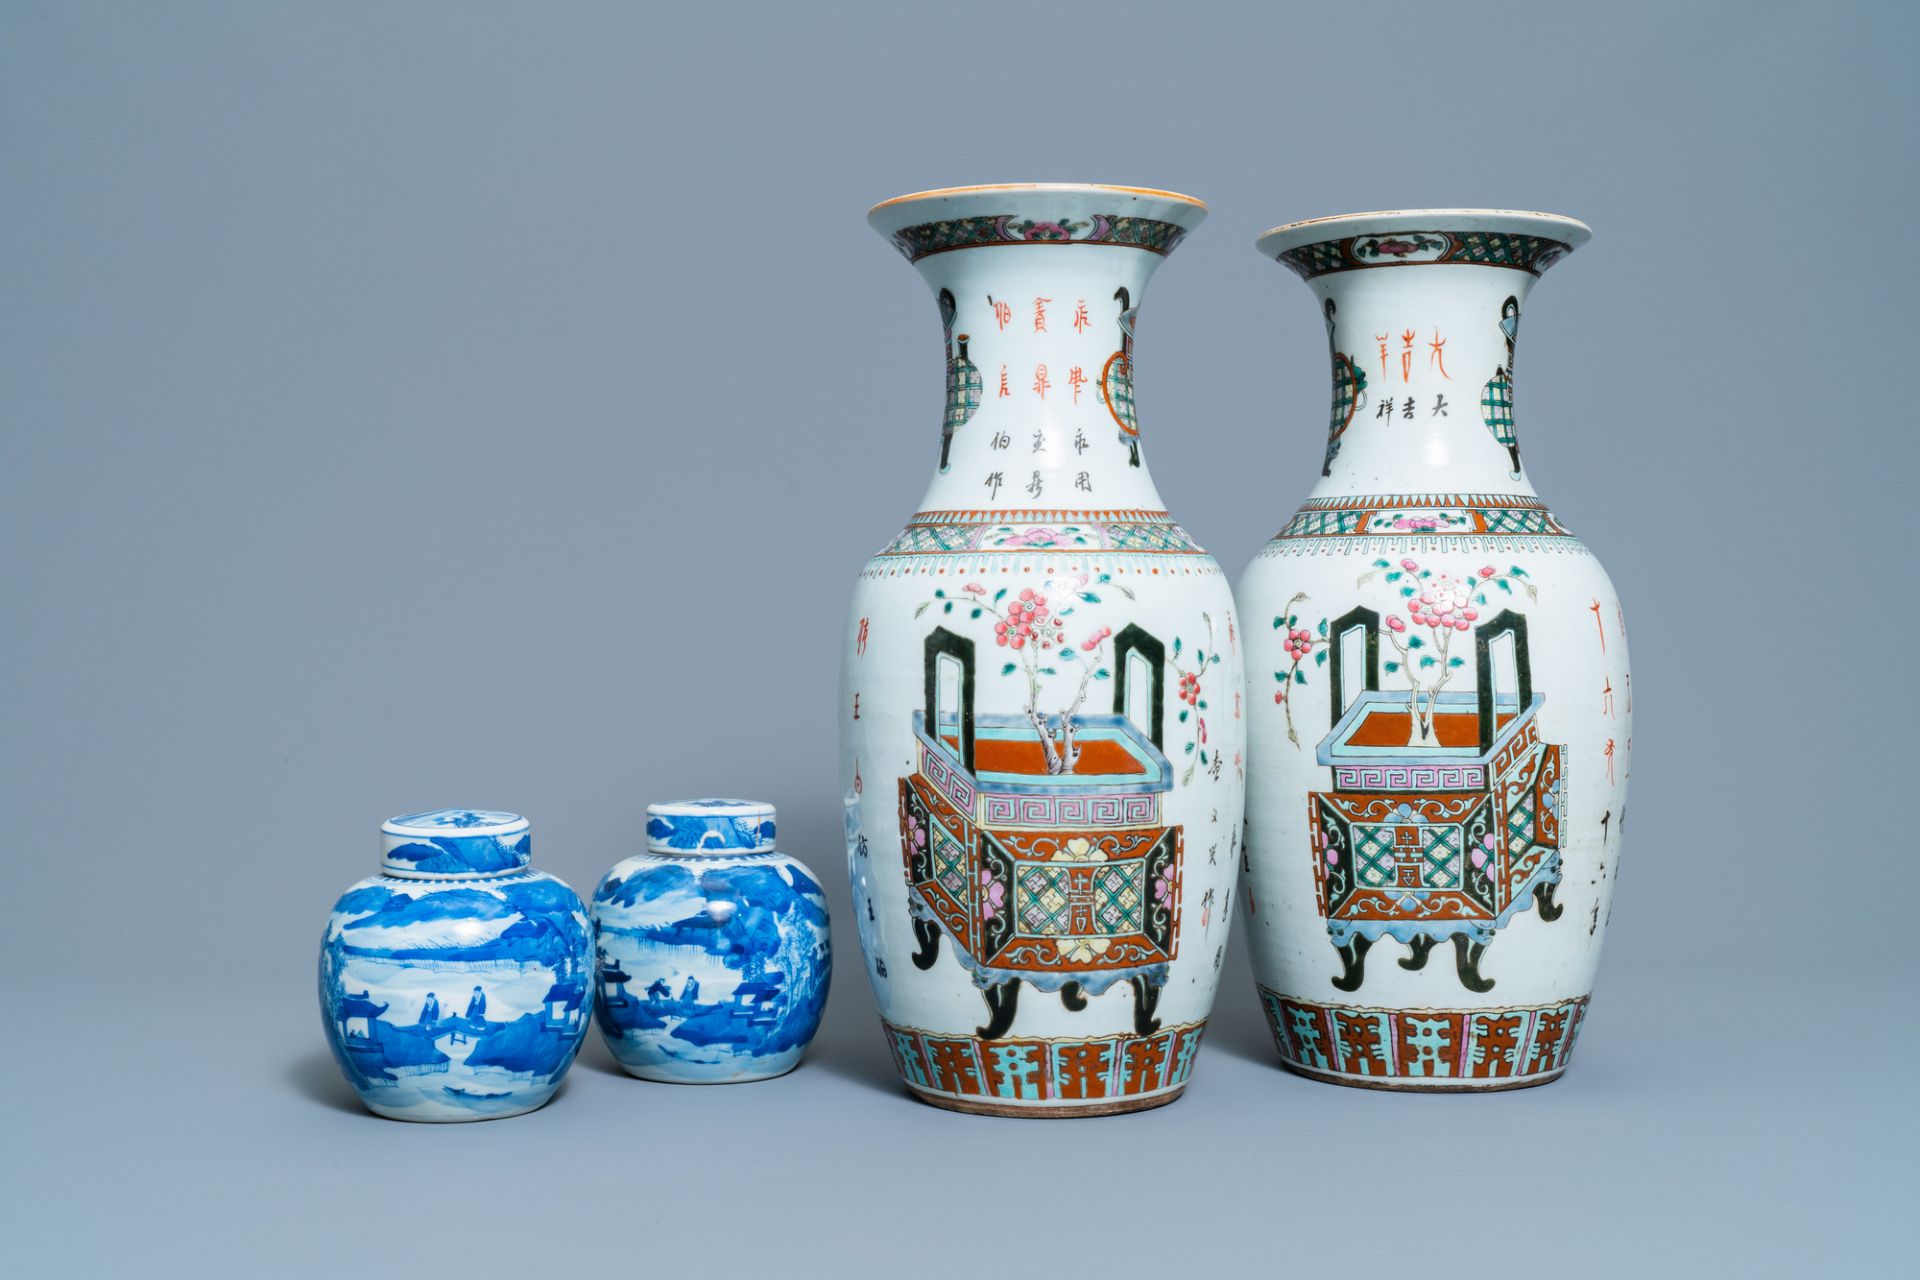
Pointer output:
x,y
455,984
713,952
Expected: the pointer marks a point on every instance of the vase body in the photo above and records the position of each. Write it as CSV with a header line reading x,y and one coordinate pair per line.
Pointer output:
x,y
455,984
713,952
1441,705
1041,733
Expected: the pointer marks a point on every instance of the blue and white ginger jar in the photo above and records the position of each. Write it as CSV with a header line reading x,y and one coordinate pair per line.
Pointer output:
x,y
713,951
454,985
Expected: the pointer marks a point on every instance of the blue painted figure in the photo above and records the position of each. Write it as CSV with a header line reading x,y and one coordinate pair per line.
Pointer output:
x,y
456,903
713,909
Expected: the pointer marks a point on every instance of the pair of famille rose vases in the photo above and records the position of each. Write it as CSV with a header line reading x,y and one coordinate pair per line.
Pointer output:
x,y
706,960
1054,715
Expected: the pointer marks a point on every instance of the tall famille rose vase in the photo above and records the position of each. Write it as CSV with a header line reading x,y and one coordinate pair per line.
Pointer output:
x,y
1041,746
1440,699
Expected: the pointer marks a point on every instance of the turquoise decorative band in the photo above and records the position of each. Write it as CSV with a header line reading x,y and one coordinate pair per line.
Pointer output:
x,y
1532,254
1423,514
1132,532
929,238
456,842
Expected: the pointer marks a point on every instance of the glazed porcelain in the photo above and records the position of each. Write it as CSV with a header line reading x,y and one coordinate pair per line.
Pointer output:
x,y
1040,701
714,956
454,984
1441,700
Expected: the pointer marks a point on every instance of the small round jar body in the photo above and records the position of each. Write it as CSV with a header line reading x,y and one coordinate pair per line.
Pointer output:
x,y
713,967
457,998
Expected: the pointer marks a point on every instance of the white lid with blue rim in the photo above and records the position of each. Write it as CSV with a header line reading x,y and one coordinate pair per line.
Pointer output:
x,y
686,826
455,842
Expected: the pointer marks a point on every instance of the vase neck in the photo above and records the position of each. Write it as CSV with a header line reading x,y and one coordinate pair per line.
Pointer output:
x,y
1038,349
1038,290
1422,364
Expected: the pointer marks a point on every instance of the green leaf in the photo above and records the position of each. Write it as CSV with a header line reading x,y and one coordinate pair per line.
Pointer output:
x,y
922,609
1176,646
1299,677
947,607
1392,667
1379,564
1506,586
1456,662
1049,671
1407,591
1480,598
1008,669
1000,595
1089,597
1183,715
1190,747
1280,622
1395,576
1281,676
1200,657
939,595
1323,628
1517,572
1415,642
1200,705
1320,658
1428,661
1068,655
1103,674
974,614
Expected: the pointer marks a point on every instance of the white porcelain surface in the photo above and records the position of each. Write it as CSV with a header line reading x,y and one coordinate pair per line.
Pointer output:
x,y
1427,908
1041,942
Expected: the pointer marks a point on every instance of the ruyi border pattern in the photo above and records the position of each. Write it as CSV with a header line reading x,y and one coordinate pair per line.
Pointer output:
x,y
929,238
1532,254
1035,1070
1438,521
1521,1044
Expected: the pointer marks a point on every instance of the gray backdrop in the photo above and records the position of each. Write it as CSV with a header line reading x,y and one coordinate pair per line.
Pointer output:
x,y
409,406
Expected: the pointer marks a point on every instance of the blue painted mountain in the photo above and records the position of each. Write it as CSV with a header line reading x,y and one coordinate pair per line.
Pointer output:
x,y
526,1044
546,929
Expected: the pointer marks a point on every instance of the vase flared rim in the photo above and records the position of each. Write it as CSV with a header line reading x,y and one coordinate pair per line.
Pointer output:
x,y
1100,188
1570,232
1043,202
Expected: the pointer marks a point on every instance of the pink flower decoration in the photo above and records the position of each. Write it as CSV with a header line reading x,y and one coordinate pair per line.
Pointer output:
x,y
1408,565
1394,623
993,895
1488,572
976,588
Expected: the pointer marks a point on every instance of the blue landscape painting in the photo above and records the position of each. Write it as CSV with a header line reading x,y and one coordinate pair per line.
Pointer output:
x,y
711,971
456,1002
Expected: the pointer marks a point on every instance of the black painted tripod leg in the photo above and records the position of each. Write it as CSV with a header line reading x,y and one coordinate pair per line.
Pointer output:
x,y
1354,955
1543,901
1146,998
1420,947
927,933
1073,997
1468,953
1001,999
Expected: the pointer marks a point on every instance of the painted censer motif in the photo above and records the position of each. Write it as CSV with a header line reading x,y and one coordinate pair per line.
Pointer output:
x,y
1041,698
1441,724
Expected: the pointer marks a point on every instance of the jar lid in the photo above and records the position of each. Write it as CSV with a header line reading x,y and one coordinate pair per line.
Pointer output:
x,y
743,826
455,842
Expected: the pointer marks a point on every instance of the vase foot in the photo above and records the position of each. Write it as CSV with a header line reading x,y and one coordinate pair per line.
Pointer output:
x,y
1440,1084
1047,1111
